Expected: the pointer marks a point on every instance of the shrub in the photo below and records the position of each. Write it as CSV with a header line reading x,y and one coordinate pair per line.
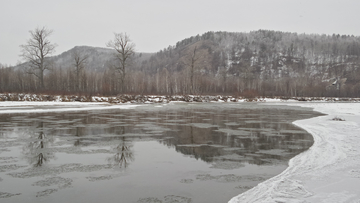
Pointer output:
x,y
337,119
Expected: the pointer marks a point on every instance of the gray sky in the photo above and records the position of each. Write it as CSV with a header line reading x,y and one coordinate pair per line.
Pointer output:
x,y
156,24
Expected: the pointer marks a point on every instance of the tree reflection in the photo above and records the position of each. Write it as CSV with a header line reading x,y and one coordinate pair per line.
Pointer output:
x,y
262,137
208,133
123,155
36,151
79,132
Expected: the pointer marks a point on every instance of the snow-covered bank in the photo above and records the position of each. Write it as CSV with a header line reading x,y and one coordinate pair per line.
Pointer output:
x,y
329,171
144,99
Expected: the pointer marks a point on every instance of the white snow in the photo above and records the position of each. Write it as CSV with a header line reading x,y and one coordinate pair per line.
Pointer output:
x,y
329,171
41,107
42,103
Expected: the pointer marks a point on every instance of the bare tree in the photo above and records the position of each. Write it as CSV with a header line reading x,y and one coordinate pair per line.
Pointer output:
x,y
190,62
79,64
124,48
195,60
35,51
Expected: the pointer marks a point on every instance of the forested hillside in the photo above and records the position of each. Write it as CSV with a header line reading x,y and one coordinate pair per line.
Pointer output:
x,y
263,63
259,63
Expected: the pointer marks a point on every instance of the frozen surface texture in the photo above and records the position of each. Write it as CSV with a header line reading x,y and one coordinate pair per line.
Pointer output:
x,y
181,152
43,107
329,171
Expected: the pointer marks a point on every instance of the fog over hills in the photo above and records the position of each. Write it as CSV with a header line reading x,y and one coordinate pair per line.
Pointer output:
x,y
97,57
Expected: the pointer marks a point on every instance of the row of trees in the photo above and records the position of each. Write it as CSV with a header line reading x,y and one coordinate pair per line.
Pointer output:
x,y
263,63
66,81
36,53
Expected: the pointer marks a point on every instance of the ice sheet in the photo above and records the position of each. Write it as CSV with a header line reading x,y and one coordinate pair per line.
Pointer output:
x,y
329,171
34,107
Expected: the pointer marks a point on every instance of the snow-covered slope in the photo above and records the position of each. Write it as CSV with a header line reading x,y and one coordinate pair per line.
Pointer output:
x,y
329,171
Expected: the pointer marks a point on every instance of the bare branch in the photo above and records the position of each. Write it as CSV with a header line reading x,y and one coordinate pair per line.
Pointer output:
x,y
79,64
125,49
35,51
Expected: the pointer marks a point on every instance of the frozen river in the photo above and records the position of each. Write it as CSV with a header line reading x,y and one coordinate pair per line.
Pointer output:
x,y
149,153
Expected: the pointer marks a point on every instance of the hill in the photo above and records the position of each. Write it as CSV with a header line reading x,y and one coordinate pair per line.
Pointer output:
x,y
282,60
97,58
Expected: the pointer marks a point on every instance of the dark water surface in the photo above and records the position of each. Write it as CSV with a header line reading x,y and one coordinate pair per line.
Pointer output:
x,y
166,153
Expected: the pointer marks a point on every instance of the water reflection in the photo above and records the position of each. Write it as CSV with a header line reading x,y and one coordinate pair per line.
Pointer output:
x,y
222,137
123,156
37,150
79,132
258,134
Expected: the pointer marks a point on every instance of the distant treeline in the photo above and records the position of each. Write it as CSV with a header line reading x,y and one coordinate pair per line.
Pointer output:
x,y
259,63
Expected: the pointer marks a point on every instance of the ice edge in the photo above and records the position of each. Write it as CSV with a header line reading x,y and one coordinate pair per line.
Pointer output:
x,y
328,171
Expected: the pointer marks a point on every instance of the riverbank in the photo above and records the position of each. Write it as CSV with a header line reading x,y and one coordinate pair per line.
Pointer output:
x,y
144,99
329,171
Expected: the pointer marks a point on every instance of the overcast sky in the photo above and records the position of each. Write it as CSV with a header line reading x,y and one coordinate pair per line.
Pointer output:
x,y
156,24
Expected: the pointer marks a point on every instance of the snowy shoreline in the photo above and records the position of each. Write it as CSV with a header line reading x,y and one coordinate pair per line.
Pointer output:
x,y
33,107
329,171
146,99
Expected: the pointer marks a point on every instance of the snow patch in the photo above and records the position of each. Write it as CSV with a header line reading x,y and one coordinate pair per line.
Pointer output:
x,y
328,171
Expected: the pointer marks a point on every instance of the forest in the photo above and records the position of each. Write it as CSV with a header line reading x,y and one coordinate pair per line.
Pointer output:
x,y
257,63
